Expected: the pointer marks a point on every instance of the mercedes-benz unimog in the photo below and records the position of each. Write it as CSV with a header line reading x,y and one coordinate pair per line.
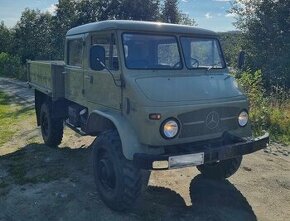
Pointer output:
x,y
156,96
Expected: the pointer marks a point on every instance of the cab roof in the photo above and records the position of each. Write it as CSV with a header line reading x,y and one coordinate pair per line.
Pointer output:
x,y
129,25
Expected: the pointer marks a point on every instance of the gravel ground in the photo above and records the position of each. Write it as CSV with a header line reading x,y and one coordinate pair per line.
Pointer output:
x,y
41,183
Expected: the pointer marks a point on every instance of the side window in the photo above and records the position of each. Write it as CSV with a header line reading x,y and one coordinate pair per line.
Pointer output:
x,y
107,41
75,48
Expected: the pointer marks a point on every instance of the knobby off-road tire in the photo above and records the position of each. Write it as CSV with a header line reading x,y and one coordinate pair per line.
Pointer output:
x,y
118,181
51,128
222,169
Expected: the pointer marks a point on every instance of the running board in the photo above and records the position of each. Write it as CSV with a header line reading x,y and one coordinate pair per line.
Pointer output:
x,y
75,129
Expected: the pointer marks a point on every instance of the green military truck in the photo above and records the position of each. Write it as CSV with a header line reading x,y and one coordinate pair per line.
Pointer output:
x,y
157,96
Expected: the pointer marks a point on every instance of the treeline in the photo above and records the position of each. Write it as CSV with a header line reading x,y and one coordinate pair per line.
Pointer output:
x,y
40,35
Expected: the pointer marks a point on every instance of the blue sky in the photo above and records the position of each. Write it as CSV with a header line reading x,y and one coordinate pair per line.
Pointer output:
x,y
209,14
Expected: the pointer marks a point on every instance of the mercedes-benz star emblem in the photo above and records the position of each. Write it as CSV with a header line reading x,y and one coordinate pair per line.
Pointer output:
x,y
212,120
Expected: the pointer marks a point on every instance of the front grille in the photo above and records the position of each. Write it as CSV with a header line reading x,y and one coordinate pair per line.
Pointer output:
x,y
197,123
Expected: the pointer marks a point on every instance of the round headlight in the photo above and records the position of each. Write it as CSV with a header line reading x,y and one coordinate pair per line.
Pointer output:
x,y
243,118
169,129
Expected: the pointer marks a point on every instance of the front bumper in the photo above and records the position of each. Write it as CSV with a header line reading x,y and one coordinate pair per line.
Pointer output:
x,y
210,154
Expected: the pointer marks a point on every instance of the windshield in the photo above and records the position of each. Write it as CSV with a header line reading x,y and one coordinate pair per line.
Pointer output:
x,y
202,53
143,51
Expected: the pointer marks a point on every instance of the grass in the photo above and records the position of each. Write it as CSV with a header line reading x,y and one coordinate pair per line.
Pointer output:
x,y
280,122
10,117
270,112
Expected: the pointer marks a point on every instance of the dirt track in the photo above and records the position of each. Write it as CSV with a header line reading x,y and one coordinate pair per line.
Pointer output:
x,y
40,183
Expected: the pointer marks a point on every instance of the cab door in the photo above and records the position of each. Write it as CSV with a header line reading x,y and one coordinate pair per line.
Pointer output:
x,y
99,86
74,69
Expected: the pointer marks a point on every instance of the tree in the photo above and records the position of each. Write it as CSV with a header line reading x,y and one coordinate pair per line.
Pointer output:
x,y
144,10
107,9
170,12
87,11
186,20
5,38
66,14
98,10
65,19
32,38
232,44
265,25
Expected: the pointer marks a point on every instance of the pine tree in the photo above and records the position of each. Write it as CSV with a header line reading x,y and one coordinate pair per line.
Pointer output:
x,y
170,12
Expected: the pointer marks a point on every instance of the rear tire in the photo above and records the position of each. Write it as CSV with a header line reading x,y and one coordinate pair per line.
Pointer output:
x,y
51,128
222,169
118,181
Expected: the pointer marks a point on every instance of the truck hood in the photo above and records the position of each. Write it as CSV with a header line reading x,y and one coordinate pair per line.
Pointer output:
x,y
188,88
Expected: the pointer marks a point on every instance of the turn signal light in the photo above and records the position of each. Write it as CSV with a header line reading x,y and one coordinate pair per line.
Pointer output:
x,y
154,116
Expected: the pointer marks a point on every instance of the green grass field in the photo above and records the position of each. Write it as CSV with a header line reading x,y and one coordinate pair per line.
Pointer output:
x,y
11,116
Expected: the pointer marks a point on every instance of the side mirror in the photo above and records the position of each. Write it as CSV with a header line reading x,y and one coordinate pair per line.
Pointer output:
x,y
241,59
97,58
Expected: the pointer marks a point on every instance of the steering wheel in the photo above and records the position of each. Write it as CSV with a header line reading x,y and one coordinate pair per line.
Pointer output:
x,y
177,64
194,63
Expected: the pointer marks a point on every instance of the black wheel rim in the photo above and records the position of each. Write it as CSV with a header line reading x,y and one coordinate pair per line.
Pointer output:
x,y
44,125
106,173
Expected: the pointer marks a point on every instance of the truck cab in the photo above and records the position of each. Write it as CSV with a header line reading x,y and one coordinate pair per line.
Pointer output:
x,y
157,96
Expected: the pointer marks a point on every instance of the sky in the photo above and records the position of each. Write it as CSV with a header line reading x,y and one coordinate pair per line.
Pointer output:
x,y
209,14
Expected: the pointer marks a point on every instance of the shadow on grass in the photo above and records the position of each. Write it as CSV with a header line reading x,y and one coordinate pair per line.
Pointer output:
x,y
17,94
36,166
36,163
18,113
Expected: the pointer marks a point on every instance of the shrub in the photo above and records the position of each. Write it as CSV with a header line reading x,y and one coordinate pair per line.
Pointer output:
x,y
267,112
10,66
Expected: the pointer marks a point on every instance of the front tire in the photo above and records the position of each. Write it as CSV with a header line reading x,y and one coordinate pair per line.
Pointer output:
x,y
51,128
222,169
118,181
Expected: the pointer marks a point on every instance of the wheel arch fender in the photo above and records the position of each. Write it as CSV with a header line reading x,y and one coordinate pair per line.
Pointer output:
x,y
99,121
